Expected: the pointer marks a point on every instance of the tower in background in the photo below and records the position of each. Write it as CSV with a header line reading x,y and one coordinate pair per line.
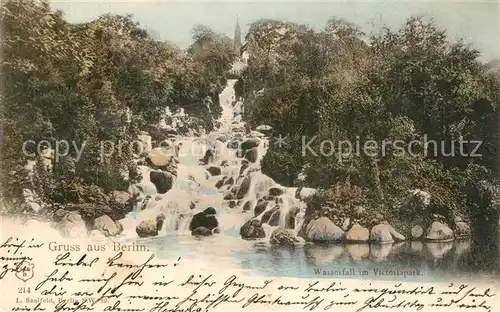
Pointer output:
x,y
237,39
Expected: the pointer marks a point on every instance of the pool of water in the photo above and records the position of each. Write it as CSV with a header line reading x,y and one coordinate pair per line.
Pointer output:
x,y
461,259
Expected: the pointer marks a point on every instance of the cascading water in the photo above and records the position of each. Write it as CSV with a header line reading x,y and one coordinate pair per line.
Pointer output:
x,y
195,189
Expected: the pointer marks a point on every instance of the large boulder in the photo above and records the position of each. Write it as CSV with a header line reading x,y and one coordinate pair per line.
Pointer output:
x,y
214,171
147,228
160,219
271,216
250,143
162,180
257,134
323,229
162,156
282,237
107,226
260,207
201,231
204,219
229,181
146,142
220,183
358,234
264,128
243,188
398,237
346,224
290,217
208,157
252,155
72,225
252,229
234,144
439,232
276,191
120,197
247,206
462,228
304,192
59,215
381,234
244,166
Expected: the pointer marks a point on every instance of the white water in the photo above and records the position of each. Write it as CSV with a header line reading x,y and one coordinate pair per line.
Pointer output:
x,y
194,184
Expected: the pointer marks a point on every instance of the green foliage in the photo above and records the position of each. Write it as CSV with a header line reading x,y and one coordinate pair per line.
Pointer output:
x,y
403,85
95,82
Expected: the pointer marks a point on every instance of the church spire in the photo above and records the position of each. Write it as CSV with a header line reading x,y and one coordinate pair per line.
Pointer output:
x,y
237,38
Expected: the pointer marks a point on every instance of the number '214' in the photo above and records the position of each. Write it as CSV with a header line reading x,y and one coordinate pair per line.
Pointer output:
x,y
24,290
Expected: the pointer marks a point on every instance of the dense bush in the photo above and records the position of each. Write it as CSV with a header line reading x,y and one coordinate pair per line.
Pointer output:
x,y
338,84
104,80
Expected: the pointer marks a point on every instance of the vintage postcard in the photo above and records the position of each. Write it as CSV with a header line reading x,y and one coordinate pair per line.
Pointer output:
x,y
173,156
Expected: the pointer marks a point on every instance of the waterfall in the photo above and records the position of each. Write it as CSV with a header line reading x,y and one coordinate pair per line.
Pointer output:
x,y
195,188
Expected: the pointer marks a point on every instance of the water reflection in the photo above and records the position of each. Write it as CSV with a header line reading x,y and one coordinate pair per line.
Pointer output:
x,y
358,251
435,260
380,252
319,255
461,248
416,247
438,250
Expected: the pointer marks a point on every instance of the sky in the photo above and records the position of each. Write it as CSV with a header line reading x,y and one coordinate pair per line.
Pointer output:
x,y
478,22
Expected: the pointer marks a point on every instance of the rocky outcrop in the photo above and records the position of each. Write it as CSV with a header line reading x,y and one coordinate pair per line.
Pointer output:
x,y
264,128
381,234
208,157
243,188
346,224
276,191
398,237
384,233
214,171
251,155
146,142
72,225
358,234
323,230
250,143
204,219
260,207
161,156
59,215
247,206
282,237
304,192
272,216
244,166
439,232
162,180
159,222
290,218
107,226
252,229
147,228
201,231
462,228
220,183
120,197
234,144
229,181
